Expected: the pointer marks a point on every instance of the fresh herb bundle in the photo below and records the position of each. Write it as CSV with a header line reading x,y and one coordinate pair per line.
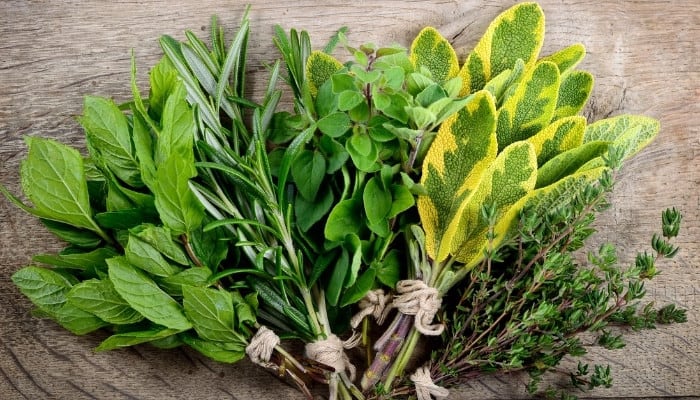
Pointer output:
x,y
202,217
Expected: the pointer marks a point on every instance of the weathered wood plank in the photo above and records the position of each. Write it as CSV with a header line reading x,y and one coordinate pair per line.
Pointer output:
x,y
642,53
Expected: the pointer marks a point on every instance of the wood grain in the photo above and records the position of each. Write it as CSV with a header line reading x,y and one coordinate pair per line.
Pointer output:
x,y
643,54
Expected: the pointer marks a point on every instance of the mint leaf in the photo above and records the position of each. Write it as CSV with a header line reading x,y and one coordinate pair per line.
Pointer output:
x,y
142,255
218,351
178,207
53,178
75,236
108,134
144,295
178,127
161,239
99,297
198,277
48,290
77,321
133,338
211,312
88,261
44,287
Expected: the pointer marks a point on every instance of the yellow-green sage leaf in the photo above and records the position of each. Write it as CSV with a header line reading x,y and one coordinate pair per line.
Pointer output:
x,y
567,58
319,68
558,137
569,162
530,107
517,33
508,179
574,91
630,133
434,52
463,148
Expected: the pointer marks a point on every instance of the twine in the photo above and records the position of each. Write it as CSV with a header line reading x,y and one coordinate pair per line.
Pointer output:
x,y
416,298
426,389
375,303
261,345
330,351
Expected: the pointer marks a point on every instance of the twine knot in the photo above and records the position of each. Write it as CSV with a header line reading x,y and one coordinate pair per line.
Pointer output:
x,y
426,389
261,345
375,304
330,351
416,298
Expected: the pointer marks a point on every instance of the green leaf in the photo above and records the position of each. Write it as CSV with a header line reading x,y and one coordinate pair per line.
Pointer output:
x,y
462,150
363,152
245,308
432,51
309,213
337,278
126,219
196,276
630,133
377,201
349,99
344,219
46,288
142,255
107,132
211,312
508,179
517,33
402,200
559,136
335,124
221,352
77,321
163,78
335,153
326,100
569,162
308,170
357,291
574,92
144,295
178,207
530,107
210,247
53,178
88,261
99,297
75,236
162,240
133,338
389,269
177,135
319,68
568,58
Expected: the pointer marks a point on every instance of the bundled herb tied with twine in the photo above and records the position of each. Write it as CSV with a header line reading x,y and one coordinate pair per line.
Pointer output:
x,y
404,196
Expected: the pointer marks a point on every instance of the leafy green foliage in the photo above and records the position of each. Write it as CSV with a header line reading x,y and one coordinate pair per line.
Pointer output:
x,y
200,214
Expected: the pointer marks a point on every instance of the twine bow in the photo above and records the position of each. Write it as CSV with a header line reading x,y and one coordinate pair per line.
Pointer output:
x,y
261,345
426,389
375,303
416,298
331,351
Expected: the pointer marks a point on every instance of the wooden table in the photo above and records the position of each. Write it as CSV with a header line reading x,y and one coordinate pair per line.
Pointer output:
x,y
644,55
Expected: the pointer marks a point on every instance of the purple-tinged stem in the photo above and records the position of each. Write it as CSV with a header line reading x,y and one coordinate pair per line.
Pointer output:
x,y
385,356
